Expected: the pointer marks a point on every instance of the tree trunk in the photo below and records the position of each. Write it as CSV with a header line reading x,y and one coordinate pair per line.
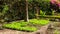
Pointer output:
x,y
37,12
26,13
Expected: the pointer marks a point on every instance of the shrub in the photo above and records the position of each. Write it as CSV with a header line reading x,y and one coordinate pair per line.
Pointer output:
x,y
42,13
39,22
53,12
5,9
20,26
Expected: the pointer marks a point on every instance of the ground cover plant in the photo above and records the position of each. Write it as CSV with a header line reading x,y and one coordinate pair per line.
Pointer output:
x,y
26,26
39,22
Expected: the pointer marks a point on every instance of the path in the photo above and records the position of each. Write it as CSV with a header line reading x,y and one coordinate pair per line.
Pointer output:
x,y
43,30
8,31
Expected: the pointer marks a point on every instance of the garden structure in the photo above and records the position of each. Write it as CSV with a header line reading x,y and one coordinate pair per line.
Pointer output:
x,y
29,16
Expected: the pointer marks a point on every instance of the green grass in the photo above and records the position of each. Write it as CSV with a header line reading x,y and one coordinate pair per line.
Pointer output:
x,y
21,25
39,22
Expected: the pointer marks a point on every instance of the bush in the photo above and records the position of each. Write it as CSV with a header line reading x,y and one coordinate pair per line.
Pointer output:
x,y
42,13
20,26
39,22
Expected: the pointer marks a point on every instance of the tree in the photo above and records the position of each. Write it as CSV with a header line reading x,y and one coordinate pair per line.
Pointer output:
x,y
37,12
26,13
37,8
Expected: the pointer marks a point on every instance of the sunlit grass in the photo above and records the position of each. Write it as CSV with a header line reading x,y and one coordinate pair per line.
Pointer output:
x,y
21,25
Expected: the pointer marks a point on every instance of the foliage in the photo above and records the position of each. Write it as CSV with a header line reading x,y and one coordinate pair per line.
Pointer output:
x,y
17,9
42,13
53,12
21,25
55,5
5,9
39,22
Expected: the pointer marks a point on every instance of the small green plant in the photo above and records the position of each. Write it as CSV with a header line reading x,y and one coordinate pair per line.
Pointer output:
x,y
40,22
53,12
43,22
20,26
5,9
27,28
42,13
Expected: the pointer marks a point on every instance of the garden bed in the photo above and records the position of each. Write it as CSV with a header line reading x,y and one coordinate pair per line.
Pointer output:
x,y
31,26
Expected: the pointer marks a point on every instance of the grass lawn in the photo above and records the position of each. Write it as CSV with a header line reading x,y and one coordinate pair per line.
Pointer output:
x,y
26,26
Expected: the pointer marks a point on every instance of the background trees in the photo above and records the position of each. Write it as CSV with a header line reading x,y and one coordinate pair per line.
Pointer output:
x,y
20,8
55,5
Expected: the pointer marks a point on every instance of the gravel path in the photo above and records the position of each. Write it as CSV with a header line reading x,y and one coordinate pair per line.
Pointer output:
x,y
43,30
